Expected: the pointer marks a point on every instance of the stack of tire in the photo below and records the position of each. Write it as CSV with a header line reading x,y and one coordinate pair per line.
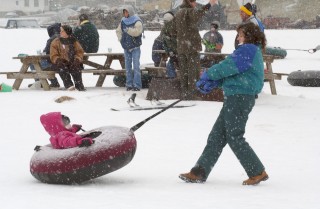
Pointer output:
x,y
120,80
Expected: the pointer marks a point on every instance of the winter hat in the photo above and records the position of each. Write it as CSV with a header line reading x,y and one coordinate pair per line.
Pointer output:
x,y
67,29
215,24
186,3
247,8
167,17
83,17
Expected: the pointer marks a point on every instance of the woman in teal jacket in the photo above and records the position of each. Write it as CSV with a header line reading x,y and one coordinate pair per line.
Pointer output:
x,y
241,77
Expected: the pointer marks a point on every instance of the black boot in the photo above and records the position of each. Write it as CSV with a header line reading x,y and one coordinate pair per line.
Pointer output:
x,y
66,78
54,83
77,78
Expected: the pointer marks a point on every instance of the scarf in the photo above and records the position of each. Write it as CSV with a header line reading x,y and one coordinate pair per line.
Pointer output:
x,y
70,42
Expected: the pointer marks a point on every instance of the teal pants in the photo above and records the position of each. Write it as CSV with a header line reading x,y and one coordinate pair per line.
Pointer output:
x,y
229,129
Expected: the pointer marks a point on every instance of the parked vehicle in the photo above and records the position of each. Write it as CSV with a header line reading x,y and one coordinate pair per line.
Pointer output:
x,y
10,23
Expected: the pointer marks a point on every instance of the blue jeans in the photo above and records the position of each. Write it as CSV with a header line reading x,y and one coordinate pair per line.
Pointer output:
x,y
171,71
133,75
45,64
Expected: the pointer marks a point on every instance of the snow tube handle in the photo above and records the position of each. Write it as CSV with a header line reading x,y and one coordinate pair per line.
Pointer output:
x,y
37,148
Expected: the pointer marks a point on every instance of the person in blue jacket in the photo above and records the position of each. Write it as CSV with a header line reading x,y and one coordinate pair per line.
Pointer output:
x,y
241,77
129,33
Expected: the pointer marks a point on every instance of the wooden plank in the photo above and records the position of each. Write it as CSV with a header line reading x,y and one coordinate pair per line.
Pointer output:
x,y
5,73
30,75
272,76
282,74
103,71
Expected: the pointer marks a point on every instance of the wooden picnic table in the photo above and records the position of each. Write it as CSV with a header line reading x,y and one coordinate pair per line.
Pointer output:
x,y
98,69
269,75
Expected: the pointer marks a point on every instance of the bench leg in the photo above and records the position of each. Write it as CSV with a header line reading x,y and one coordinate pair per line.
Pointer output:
x,y
45,84
271,81
23,69
101,79
17,83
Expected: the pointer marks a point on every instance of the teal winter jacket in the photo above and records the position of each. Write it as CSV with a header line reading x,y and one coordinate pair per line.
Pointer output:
x,y
241,72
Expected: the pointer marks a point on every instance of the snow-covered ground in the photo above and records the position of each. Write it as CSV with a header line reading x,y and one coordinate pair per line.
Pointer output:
x,y
282,129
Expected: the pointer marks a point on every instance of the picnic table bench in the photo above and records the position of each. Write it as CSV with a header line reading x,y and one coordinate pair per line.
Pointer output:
x,y
102,70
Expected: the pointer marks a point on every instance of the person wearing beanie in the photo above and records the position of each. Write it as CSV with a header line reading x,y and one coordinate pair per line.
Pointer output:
x,y
83,17
87,34
247,14
189,45
129,33
169,39
66,54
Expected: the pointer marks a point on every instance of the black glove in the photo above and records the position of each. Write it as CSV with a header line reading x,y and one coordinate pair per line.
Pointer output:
x,y
86,142
77,64
62,63
76,127
174,57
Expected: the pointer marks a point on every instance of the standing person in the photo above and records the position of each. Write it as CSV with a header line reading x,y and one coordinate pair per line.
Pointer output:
x,y
66,54
247,14
129,34
213,42
170,44
241,77
189,44
87,34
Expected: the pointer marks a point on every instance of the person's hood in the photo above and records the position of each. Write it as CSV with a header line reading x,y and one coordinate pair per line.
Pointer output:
x,y
130,10
54,29
52,123
133,18
186,4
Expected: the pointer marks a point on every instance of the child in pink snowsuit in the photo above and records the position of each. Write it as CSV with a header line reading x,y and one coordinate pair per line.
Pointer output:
x,y
63,135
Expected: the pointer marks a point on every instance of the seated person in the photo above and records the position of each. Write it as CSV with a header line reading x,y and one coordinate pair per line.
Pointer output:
x,y
66,54
170,44
157,45
53,32
87,34
63,134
